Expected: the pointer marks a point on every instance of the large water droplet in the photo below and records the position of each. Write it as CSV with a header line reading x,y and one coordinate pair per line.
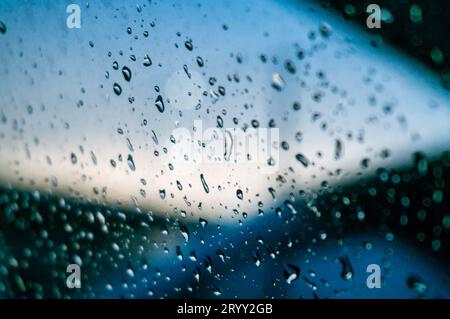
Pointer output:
x,y
147,61
184,231
277,82
131,164
126,73
188,44
117,89
302,159
159,103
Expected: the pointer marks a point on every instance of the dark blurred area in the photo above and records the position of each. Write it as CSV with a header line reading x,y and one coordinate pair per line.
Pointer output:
x,y
128,254
420,28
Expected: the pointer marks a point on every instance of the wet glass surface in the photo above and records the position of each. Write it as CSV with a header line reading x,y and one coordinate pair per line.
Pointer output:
x,y
232,149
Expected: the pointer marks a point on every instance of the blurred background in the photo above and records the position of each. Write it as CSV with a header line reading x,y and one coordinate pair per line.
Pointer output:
x,y
87,176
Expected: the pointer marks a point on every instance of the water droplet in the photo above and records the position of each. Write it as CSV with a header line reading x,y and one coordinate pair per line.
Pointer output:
x,y
147,61
188,44
347,269
277,82
126,73
203,222
154,137
239,194
216,291
159,103
205,186
73,158
130,272
219,121
273,193
117,89
416,284
325,29
130,146
197,274
291,273
200,61
338,149
257,258
193,256
131,164
285,145
208,264
255,123
184,231
2,28
290,66
365,163
221,255
186,70
179,253
302,159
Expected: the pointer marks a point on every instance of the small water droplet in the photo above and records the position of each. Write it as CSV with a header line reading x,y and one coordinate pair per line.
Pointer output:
x,y
347,269
338,149
290,66
179,253
3,28
291,273
257,258
416,284
73,158
273,193
205,185
365,163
